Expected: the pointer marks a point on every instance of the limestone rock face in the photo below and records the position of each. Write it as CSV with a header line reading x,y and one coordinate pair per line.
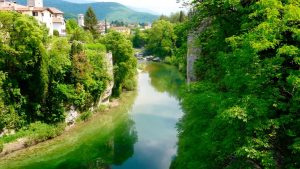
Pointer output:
x,y
7,132
72,115
104,99
194,49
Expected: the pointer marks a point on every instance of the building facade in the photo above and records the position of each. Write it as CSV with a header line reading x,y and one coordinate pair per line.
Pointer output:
x,y
51,17
80,20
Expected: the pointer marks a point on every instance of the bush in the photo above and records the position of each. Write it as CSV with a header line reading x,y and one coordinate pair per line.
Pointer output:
x,y
1,146
39,132
86,115
56,33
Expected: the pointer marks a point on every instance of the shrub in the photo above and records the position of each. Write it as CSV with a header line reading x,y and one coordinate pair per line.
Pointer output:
x,y
56,33
1,146
86,115
39,132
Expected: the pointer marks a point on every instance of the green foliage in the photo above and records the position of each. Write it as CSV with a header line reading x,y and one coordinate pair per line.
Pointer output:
x,y
178,17
139,38
90,21
39,132
40,77
161,39
24,60
79,34
56,33
85,115
71,26
125,63
1,146
243,113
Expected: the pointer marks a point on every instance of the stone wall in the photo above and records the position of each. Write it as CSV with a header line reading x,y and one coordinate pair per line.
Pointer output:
x,y
194,49
104,99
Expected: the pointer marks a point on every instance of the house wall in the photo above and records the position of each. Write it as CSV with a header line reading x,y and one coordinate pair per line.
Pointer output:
x,y
81,20
44,17
60,27
47,19
35,3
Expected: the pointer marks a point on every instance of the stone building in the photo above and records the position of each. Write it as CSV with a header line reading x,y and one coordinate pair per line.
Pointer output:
x,y
80,20
51,17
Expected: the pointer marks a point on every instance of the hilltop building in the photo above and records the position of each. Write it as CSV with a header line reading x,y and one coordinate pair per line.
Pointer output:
x,y
51,17
103,26
80,20
122,29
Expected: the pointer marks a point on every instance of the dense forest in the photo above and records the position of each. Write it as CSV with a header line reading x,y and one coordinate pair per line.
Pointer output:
x,y
243,111
43,76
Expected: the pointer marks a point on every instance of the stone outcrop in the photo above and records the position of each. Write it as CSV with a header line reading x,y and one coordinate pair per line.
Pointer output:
x,y
104,99
72,115
194,49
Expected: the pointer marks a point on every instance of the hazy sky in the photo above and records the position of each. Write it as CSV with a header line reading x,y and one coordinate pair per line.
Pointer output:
x,y
158,6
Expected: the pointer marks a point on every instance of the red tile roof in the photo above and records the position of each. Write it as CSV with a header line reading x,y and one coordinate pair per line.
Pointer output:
x,y
55,11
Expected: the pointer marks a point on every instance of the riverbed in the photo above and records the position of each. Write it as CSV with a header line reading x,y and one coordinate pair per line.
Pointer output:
x,y
138,134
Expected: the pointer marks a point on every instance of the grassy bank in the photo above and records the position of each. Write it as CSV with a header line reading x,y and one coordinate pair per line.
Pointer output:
x,y
34,133
94,133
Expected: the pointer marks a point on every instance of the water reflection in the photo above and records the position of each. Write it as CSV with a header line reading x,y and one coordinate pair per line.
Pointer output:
x,y
165,78
155,112
140,134
95,144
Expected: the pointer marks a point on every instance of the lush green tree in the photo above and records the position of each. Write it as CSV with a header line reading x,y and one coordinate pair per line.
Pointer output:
x,y
182,17
91,21
139,38
243,113
42,76
55,33
24,59
177,17
71,26
118,23
80,35
161,39
125,63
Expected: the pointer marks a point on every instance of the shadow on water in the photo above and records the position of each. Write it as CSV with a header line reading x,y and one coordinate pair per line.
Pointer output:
x,y
104,140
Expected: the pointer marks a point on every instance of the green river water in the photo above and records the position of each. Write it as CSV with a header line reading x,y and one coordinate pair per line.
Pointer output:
x,y
139,134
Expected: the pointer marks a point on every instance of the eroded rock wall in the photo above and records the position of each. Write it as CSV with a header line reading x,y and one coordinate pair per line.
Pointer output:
x,y
194,49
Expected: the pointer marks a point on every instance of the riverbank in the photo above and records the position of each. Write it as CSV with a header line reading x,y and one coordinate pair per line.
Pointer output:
x,y
99,128
139,131
28,141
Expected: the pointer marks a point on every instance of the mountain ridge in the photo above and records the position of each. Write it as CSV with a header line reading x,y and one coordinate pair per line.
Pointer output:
x,y
103,10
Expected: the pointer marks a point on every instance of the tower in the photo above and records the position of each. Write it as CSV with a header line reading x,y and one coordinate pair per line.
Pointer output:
x,y
35,3
81,20
2,2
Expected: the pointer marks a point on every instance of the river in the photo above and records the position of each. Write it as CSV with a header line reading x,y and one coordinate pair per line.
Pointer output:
x,y
139,134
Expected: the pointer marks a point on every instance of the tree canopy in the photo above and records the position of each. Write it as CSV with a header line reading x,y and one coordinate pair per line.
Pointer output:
x,y
125,63
91,21
243,112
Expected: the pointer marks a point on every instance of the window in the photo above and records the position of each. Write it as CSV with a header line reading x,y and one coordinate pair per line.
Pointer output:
x,y
35,14
42,14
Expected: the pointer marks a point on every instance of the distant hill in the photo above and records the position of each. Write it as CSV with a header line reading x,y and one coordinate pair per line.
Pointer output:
x,y
109,10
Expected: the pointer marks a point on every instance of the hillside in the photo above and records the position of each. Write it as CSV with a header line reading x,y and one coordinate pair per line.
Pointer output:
x,y
110,10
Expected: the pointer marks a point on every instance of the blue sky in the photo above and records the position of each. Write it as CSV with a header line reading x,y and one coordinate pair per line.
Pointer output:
x,y
157,6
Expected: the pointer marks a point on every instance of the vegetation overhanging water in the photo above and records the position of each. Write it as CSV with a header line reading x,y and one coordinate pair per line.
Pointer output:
x,y
140,132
